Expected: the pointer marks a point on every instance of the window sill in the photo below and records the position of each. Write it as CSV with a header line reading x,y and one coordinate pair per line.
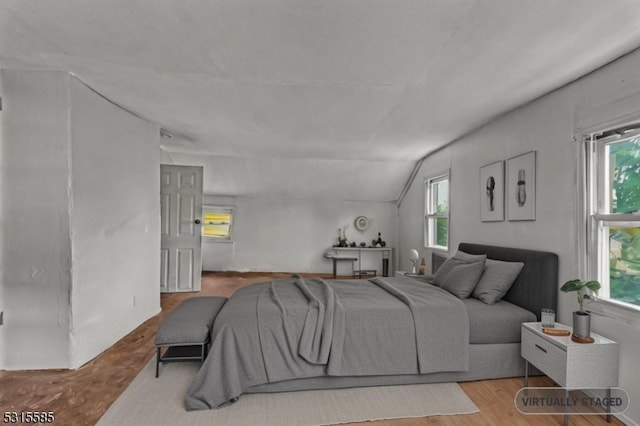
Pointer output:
x,y
216,241
615,310
438,249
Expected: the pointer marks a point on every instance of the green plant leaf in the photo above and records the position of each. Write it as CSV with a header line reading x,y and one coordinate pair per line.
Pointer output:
x,y
593,286
572,285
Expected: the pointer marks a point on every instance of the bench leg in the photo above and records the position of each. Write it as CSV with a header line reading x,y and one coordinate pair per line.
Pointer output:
x,y
158,362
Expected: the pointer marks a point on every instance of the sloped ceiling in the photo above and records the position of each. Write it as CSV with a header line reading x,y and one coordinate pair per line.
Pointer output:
x,y
327,99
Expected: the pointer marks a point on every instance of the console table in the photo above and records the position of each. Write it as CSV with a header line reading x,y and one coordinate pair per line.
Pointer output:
x,y
367,258
336,258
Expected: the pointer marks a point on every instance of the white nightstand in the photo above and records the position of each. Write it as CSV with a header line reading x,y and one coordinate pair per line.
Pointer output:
x,y
571,365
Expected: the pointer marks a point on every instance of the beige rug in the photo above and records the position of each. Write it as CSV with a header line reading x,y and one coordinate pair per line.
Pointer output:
x,y
159,401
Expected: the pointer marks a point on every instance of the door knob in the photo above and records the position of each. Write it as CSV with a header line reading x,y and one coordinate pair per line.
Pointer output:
x,y
197,221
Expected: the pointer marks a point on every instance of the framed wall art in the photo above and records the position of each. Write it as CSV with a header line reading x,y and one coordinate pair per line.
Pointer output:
x,y
492,192
521,187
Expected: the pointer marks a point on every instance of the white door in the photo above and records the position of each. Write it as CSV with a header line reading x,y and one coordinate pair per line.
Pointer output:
x,y
181,216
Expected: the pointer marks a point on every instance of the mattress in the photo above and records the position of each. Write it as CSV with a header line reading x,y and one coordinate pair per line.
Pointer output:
x,y
497,323
491,324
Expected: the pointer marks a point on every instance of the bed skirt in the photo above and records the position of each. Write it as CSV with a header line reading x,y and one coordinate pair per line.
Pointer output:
x,y
489,361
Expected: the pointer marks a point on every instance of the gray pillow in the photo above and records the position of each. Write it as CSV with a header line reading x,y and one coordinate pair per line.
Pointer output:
x,y
497,279
462,279
460,258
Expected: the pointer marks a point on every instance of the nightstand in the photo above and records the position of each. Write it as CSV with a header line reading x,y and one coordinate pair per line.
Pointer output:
x,y
571,365
407,274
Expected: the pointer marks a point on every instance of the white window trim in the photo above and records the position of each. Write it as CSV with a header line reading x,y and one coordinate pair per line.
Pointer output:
x,y
586,210
428,180
614,309
220,240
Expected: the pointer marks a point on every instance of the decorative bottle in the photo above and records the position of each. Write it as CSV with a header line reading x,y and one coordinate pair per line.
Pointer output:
x,y
422,267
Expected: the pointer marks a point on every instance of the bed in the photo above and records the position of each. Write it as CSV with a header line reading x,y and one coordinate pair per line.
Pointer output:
x,y
305,333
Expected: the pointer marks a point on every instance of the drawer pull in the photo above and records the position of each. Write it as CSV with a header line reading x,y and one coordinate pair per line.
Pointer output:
x,y
541,348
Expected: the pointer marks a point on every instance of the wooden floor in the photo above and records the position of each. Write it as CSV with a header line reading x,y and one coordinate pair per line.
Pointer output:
x,y
80,397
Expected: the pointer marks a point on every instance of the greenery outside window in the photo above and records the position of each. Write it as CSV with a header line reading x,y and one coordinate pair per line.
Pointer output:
x,y
217,223
613,182
436,218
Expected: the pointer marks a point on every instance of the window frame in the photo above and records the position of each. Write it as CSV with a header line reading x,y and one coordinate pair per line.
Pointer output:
x,y
596,219
218,209
430,216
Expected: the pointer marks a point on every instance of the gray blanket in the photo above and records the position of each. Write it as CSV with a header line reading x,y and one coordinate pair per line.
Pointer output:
x,y
294,328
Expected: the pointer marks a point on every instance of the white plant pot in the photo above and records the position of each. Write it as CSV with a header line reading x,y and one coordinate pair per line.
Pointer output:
x,y
582,324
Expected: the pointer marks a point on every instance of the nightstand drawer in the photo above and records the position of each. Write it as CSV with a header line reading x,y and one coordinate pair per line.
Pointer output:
x,y
549,358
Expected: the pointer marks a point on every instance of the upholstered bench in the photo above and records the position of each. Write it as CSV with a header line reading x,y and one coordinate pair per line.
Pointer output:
x,y
185,330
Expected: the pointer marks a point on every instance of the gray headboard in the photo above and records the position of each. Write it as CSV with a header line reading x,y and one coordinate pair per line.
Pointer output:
x,y
537,285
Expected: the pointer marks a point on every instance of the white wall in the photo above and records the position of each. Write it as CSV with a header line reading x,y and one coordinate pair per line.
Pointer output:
x,y
2,278
115,222
278,234
80,221
284,234
36,255
546,126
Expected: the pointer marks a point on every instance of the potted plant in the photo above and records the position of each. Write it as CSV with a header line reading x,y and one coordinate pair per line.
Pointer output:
x,y
581,318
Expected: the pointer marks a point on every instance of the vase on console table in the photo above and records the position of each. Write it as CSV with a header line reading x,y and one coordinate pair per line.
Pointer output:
x,y
342,238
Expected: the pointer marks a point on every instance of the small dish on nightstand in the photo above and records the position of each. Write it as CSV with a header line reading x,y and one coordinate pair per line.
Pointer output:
x,y
555,331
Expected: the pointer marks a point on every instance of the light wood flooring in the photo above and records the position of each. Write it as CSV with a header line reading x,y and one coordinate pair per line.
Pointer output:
x,y
80,397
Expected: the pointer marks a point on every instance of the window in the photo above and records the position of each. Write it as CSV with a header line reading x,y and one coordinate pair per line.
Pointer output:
x,y
613,201
217,223
436,218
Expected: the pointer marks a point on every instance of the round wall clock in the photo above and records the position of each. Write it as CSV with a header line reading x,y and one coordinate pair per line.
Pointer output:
x,y
362,223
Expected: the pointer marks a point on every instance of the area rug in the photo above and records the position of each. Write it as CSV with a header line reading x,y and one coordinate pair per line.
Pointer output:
x,y
160,401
